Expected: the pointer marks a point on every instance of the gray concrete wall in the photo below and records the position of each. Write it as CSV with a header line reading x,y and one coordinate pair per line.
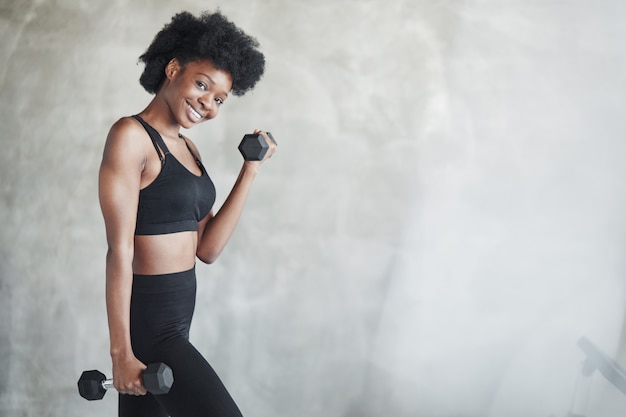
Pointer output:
x,y
442,223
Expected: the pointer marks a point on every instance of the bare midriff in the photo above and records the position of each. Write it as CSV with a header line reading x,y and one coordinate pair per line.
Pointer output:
x,y
165,254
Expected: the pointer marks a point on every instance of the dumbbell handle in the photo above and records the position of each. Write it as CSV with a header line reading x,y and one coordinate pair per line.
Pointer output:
x,y
107,383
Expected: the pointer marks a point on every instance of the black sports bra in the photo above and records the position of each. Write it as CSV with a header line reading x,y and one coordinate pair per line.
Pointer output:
x,y
177,199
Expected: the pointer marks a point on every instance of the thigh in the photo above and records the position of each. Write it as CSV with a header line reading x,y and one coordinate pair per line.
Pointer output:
x,y
197,390
140,406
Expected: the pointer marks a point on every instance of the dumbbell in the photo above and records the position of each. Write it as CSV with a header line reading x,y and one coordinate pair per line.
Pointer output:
x,y
157,379
253,147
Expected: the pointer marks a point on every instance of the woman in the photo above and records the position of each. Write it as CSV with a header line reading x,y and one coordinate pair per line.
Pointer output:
x,y
157,198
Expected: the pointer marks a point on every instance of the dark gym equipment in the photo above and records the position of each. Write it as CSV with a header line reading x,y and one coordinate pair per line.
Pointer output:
x,y
254,147
157,379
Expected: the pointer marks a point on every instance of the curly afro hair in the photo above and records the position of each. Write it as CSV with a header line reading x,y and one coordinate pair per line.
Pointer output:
x,y
208,37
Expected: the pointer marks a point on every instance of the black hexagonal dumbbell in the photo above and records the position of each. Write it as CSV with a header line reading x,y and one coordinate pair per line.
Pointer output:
x,y
157,379
253,147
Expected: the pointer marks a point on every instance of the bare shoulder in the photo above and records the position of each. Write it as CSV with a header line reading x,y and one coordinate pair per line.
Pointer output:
x,y
126,140
126,128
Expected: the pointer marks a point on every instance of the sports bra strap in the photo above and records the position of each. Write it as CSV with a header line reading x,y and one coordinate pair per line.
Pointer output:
x,y
156,138
195,157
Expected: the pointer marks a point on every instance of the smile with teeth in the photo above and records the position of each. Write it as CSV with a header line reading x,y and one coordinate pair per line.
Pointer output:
x,y
195,113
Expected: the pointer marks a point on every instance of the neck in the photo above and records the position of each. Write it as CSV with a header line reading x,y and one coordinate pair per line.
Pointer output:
x,y
159,115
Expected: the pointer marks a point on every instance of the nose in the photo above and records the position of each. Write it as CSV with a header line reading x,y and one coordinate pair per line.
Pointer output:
x,y
207,102
204,100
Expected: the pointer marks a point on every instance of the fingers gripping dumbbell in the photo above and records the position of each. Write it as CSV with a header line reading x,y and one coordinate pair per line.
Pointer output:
x,y
157,379
253,146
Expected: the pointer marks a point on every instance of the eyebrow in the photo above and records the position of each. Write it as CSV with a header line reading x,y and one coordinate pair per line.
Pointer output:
x,y
211,80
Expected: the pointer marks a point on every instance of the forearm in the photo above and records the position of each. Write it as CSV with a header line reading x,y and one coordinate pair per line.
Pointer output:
x,y
118,292
219,229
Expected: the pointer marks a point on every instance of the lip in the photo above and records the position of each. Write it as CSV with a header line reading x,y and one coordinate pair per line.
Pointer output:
x,y
194,113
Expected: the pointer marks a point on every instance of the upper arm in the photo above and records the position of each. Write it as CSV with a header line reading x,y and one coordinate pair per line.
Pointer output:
x,y
202,223
119,182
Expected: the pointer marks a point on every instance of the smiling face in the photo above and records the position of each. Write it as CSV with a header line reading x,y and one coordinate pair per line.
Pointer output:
x,y
194,92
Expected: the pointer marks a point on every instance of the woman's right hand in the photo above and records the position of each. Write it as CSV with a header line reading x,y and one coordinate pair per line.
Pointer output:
x,y
127,375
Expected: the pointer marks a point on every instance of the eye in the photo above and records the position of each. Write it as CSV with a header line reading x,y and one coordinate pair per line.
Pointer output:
x,y
219,101
201,85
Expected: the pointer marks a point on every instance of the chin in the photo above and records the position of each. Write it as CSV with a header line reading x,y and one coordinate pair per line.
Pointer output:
x,y
188,124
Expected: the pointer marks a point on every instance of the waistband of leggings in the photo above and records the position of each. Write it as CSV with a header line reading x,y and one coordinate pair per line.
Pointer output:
x,y
175,281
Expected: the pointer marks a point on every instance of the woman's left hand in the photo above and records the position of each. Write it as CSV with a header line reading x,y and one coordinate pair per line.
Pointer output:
x,y
273,146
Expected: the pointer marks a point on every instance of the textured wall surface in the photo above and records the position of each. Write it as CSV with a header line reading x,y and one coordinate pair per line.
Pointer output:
x,y
443,221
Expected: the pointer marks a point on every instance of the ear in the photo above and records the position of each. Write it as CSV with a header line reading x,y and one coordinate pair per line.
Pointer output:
x,y
172,68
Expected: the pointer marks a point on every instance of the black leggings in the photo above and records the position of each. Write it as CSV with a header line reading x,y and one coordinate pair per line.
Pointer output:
x,y
160,316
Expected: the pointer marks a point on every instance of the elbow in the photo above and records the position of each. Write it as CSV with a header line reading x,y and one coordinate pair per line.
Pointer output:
x,y
208,256
207,260
120,253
